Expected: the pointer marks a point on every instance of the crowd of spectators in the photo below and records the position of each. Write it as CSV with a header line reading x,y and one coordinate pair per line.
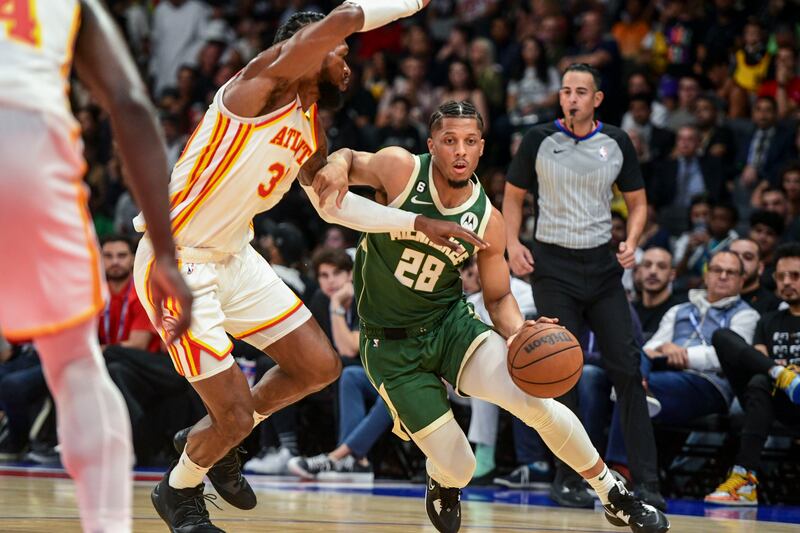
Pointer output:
x,y
708,91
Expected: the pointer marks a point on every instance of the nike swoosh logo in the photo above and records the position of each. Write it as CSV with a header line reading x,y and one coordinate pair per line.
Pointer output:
x,y
419,202
430,486
559,151
604,475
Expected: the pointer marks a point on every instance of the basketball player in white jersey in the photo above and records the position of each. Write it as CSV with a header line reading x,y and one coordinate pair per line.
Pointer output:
x,y
259,134
51,284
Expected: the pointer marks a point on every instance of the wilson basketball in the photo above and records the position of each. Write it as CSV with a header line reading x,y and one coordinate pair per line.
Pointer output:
x,y
545,360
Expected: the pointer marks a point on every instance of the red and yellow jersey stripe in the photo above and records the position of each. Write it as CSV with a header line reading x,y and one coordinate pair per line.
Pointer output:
x,y
234,168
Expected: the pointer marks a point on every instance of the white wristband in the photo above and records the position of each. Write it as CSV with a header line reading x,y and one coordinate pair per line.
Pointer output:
x,y
378,13
362,214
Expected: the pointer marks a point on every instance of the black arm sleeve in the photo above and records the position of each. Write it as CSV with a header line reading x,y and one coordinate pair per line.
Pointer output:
x,y
522,171
630,175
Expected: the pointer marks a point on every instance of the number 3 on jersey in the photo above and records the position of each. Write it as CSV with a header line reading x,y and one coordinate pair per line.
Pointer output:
x,y
19,19
426,268
277,172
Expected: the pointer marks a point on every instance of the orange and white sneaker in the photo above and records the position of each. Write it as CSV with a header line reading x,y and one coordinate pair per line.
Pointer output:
x,y
741,488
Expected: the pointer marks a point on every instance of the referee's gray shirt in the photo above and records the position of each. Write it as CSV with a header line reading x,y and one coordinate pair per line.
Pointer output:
x,y
571,178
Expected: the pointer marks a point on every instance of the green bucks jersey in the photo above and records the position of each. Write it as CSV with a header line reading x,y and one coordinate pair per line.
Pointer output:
x,y
401,278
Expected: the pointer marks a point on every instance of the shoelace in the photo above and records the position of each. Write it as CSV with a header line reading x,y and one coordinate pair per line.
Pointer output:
x,y
524,474
321,462
735,481
196,507
346,464
449,497
634,507
232,466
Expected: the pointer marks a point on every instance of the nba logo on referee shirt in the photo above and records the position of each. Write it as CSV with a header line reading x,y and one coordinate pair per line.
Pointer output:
x,y
603,153
469,221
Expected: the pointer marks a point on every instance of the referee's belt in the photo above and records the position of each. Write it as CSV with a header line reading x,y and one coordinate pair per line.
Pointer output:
x,y
398,334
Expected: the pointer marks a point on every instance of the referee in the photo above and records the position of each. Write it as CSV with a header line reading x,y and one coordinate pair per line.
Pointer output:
x,y
570,166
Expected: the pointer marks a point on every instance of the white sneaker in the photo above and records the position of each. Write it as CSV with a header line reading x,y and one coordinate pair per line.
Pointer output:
x,y
653,405
274,463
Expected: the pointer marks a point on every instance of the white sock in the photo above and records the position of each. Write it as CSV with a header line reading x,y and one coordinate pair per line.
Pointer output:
x,y
258,418
775,371
186,473
602,484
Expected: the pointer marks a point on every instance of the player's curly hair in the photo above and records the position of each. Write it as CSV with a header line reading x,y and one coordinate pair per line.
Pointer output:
x,y
453,109
295,22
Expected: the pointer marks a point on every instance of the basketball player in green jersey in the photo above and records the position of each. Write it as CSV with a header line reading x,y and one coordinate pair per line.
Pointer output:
x,y
417,330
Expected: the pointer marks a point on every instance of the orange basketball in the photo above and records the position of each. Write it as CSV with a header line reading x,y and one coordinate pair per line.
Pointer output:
x,y
545,360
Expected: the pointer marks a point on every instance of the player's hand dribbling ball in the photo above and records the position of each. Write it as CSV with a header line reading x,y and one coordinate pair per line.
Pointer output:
x,y
545,360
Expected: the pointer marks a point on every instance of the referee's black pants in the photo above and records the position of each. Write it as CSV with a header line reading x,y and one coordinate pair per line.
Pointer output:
x,y
583,287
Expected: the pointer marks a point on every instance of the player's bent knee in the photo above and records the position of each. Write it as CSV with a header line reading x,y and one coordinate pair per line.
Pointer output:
x,y
325,370
460,472
236,425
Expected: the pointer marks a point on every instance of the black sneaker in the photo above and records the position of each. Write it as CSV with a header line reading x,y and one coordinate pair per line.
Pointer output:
x,y
651,493
348,469
624,509
310,467
569,490
183,510
226,476
443,506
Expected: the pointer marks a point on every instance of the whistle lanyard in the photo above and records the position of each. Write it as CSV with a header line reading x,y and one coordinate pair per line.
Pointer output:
x,y
696,325
107,320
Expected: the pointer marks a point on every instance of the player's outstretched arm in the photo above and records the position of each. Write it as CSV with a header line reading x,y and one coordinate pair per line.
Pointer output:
x,y
106,68
387,171
307,48
496,279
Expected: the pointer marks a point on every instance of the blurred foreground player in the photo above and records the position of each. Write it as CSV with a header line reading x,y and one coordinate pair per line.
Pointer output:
x,y
51,283
260,133
429,333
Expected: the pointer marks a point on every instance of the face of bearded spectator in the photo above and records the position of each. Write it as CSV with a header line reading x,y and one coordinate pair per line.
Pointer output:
x,y
776,202
655,270
117,260
705,113
764,114
787,277
748,252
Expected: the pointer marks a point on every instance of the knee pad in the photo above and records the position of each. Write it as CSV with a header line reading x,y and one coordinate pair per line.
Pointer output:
x,y
456,472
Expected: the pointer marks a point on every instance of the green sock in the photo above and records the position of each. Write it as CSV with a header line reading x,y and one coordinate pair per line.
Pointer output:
x,y
484,459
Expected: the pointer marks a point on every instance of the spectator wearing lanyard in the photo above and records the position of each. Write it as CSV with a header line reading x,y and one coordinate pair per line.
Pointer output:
x,y
124,321
570,166
686,376
133,354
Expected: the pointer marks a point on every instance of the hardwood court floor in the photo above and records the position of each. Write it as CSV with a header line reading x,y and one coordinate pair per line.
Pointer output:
x,y
48,505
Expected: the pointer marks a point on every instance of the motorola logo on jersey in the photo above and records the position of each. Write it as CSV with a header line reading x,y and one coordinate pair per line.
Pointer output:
x,y
470,221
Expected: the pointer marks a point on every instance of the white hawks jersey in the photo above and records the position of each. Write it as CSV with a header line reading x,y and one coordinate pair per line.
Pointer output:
x,y
37,38
234,168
